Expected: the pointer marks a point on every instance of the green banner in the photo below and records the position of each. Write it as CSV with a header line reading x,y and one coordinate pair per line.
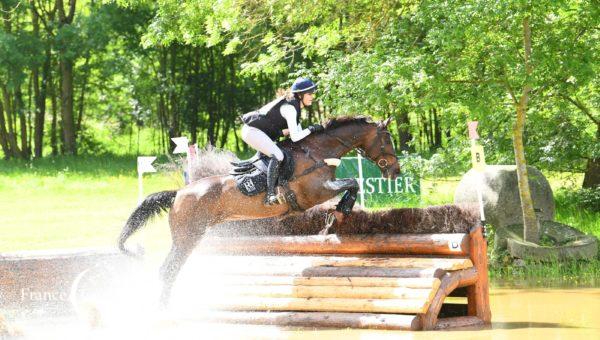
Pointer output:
x,y
379,190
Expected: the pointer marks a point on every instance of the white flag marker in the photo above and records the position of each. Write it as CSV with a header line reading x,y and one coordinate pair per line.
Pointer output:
x,y
181,144
478,161
144,164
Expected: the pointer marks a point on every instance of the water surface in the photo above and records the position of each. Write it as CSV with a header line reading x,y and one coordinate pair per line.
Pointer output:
x,y
516,314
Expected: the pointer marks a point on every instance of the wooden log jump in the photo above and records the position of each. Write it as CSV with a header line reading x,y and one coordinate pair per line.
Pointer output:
x,y
382,281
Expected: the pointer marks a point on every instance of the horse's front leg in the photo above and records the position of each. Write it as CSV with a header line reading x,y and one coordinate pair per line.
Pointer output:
x,y
345,205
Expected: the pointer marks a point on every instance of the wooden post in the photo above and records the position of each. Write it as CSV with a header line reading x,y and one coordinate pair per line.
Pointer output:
x,y
478,294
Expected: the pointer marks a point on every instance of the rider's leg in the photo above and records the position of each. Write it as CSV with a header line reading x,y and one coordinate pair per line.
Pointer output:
x,y
272,177
261,142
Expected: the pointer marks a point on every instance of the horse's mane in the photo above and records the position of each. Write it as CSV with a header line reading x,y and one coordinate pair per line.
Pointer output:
x,y
336,122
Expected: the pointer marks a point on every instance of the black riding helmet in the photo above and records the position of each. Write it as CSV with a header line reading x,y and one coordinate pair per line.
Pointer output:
x,y
303,85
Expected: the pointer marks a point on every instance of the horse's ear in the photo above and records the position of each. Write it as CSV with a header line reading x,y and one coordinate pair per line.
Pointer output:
x,y
384,123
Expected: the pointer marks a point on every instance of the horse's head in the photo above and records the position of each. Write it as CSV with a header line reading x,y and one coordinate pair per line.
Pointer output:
x,y
379,148
372,140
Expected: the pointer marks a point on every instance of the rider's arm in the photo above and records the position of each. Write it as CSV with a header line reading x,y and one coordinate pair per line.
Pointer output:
x,y
296,132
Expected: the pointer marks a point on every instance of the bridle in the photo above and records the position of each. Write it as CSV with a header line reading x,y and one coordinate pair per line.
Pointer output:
x,y
381,162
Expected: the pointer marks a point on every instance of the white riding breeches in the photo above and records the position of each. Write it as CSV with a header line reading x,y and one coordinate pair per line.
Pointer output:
x,y
261,142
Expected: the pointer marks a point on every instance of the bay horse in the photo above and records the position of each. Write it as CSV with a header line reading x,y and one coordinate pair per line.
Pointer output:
x,y
216,199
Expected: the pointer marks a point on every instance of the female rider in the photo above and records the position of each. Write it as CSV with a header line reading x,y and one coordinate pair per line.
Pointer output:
x,y
281,117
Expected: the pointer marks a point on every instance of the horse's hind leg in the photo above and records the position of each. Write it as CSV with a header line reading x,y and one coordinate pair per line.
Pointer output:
x,y
180,251
169,270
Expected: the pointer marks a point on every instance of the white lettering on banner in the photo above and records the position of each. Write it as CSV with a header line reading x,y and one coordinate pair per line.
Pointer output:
x,y
380,180
375,185
399,183
370,188
409,184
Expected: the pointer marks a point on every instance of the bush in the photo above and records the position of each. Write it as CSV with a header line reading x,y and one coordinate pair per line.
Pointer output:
x,y
584,198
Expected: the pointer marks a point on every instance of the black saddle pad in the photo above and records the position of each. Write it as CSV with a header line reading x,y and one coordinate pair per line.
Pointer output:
x,y
251,175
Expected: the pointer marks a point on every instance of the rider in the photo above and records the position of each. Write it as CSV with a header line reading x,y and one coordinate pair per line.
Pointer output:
x,y
281,117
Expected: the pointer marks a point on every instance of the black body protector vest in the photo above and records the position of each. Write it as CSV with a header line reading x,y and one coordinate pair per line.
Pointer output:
x,y
269,119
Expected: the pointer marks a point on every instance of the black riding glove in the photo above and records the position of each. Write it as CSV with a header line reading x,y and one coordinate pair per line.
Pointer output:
x,y
316,128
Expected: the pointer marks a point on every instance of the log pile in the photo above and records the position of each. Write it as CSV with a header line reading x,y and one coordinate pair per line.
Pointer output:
x,y
380,281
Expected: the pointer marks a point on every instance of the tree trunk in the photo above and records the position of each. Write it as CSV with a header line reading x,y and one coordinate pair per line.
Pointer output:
x,y
173,107
591,179
40,93
54,106
10,122
403,123
530,223
531,228
86,75
69,132
4,134
40,112
20,110
66,97
211,107
437,130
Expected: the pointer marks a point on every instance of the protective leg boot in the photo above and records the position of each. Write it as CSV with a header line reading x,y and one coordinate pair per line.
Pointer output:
x,y
346,204
272,177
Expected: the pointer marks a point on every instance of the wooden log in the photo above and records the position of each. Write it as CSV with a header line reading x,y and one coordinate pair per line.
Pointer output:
x,y
478,293
325,271
403,306
329,281
450,281
409,244
317,319
334,261
458,321
327,292
401,262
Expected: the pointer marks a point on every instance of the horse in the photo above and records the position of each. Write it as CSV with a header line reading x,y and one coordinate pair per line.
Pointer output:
x,y
216,199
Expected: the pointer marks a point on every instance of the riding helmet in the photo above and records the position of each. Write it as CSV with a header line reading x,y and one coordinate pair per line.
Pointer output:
x,y
303,85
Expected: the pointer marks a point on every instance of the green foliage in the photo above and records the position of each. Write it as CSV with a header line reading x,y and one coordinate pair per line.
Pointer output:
x,y
582,198
191,67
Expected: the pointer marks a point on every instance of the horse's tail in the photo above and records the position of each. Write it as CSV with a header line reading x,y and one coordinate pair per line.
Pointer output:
x,y
153,205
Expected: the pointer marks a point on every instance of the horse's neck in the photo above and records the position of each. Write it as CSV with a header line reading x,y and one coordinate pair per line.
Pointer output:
x,y
338,142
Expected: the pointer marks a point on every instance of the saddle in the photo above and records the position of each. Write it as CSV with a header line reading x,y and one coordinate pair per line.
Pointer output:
x,y
251,174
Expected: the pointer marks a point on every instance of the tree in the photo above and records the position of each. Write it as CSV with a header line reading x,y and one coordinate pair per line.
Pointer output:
x,y
505,50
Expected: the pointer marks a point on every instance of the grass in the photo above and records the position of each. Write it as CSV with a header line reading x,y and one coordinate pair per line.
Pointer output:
x,y
69,202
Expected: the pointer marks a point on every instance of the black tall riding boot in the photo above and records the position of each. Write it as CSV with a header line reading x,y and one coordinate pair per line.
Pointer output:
x,y
272,176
